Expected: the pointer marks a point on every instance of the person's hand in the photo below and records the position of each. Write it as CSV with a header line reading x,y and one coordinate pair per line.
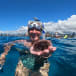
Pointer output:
x,y
2,58
42,47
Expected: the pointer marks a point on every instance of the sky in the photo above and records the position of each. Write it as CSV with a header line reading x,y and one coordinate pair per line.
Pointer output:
x,y
17,13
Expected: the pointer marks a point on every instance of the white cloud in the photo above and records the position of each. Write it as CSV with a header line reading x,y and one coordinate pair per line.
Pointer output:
x,y
22,29
0,31
62,26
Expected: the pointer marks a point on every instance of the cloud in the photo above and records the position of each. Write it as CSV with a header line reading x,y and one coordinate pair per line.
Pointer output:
x,y
21,30
62,26
0,31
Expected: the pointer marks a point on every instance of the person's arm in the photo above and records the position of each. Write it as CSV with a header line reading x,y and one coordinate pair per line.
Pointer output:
x,y
7,47
3,55
24,42
22,46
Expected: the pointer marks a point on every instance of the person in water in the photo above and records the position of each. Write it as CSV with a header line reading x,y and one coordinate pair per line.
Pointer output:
x,y
33,57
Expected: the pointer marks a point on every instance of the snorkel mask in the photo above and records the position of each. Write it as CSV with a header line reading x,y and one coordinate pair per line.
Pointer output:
x,y
35,25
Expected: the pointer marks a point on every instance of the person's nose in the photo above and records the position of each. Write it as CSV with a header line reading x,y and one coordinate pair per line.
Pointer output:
x,y
34,31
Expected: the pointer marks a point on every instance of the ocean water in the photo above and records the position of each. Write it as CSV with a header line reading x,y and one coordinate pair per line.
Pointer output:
x,y
62,61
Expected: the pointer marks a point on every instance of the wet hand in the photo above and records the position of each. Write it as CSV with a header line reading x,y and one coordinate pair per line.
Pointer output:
x,y
2,58
42,47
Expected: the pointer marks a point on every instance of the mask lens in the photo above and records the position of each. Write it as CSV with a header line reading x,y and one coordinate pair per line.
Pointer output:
x,y
36,26
35,29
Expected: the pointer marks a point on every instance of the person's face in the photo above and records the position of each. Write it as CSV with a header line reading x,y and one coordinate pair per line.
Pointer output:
x,y
34,34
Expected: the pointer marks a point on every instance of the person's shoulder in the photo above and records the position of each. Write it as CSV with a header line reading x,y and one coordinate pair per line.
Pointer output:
x,y
22,40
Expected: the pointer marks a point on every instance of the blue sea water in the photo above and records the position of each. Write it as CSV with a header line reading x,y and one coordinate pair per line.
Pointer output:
x,y
62,62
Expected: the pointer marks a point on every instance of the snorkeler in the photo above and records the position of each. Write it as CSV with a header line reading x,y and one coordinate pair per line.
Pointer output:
x,y
33,58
